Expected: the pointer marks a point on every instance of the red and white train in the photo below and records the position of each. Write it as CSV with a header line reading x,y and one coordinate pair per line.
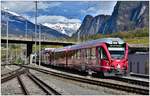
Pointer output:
x,y
107,56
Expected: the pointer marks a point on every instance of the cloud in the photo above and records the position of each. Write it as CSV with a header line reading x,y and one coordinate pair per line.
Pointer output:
x,y
54,19
45,5
102,7
89,10
27,6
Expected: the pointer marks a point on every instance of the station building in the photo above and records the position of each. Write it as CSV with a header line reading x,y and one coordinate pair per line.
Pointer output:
x,y
139,63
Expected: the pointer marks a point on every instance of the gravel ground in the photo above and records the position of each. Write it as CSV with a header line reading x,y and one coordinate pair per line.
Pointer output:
x,y
31,86
11,87
69,87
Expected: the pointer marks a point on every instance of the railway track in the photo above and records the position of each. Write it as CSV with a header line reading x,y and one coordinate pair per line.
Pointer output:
x,y
136,81
139,75
24,89
45,87
123,87
41,84
2,75
13,74
128,79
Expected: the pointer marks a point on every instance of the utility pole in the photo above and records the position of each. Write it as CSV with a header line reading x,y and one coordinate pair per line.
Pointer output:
x,y
39,44
35,27
7,43
26,30
7,26
78,36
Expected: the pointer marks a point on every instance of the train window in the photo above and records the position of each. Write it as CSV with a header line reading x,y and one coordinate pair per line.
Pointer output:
x,y
102,53
72,57
74,54
93,53
78,54
85,53
88,53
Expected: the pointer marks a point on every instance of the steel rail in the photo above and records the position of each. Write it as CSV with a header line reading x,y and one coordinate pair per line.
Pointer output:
x,y
46,88
24,89
133,89
13,75
124,79
139,75
132,81
10,72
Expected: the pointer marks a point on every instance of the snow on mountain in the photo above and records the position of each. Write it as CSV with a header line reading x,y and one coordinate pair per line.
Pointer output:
x,y
65,28
17,25
13,13
8,15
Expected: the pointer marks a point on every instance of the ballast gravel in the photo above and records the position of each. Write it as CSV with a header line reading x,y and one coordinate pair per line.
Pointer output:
x,y
11,87
70,87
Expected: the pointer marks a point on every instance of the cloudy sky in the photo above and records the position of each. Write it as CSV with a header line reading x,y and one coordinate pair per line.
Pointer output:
x,y
59,11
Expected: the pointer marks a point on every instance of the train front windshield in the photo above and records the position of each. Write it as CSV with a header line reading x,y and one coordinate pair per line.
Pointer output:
x,y
117,54
116,51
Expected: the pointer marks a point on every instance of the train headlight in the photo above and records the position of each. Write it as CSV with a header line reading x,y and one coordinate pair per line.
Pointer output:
x,y
118,66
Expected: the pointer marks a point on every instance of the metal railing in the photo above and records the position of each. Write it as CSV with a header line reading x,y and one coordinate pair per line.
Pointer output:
x,y
35,39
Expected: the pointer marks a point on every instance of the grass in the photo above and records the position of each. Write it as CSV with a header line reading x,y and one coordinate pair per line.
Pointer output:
x,y
138,40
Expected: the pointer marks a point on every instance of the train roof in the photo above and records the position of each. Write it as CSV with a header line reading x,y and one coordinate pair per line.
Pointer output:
x,y
91,43
48,49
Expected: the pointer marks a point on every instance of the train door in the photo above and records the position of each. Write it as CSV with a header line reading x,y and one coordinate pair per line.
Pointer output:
x,y
103,59
83,65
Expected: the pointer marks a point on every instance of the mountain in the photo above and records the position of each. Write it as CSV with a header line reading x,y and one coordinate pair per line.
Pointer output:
x,y
127,15
64,28
17,27
91,25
